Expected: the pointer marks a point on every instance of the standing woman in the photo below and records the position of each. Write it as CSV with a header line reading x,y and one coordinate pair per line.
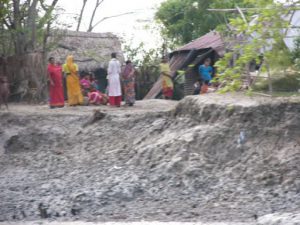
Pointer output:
x,y
167,83
73,84
128,81
114,84
56,92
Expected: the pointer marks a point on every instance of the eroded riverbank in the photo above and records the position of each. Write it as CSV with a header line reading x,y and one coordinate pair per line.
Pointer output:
x,y
157,162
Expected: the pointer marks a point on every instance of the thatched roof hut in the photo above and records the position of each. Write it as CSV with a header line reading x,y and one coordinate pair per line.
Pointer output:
x,y
91,51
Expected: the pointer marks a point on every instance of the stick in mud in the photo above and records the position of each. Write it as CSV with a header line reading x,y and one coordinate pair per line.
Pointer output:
x,y
97,115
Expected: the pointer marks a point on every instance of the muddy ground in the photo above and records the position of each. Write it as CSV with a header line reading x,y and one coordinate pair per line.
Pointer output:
x,y
212,158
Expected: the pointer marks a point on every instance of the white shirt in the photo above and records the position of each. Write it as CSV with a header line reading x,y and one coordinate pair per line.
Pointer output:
x,y
114,70
114,67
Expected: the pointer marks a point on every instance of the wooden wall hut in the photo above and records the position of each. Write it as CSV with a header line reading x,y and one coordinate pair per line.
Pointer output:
x,y
194,53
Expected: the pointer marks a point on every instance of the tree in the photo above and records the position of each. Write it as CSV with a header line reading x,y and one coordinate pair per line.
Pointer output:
x,y
263,37
92,25
23,21
185,20
81,13
25,27
98,3
147,63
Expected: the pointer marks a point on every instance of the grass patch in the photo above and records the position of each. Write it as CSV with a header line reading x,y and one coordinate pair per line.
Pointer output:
x,y
282,85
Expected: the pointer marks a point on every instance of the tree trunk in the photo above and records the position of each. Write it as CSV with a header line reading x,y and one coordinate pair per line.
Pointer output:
x,y
31,25
80,16
98,3
48,28
20,39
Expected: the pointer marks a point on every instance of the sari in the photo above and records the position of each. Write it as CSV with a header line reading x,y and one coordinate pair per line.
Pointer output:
x,y
56,92
73,85
97,98
128,84
167,83
86,84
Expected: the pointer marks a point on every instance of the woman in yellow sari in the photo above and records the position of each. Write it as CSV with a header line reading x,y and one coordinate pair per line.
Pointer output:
x,y
73,84
167,83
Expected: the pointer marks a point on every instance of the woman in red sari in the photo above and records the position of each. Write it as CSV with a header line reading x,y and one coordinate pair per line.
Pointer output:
x,y
56,92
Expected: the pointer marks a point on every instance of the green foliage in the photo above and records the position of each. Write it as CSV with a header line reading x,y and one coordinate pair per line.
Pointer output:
x,y
186,20
287,83
295,55
142,57
147,63
282,59
25,26
264,35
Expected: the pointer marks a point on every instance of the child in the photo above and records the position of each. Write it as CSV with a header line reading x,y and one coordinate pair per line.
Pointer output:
x,y
205,72
93,81
85,84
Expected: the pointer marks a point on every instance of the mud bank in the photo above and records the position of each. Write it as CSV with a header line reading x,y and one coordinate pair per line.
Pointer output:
x,y
212,158
119,223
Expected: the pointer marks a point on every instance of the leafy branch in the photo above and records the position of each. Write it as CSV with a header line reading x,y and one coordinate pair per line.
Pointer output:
x,y
252,41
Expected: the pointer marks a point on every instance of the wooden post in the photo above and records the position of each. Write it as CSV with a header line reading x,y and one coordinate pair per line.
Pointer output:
x,y
269,79
248,77
258,74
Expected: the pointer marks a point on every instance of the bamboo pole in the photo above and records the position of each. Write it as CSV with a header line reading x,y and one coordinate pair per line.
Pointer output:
x,y
269,79
250,9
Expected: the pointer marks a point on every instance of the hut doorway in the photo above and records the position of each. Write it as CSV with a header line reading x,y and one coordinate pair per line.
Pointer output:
x,y
101,77
192,73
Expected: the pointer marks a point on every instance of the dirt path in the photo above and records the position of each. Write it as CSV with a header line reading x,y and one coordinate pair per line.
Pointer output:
x,y
141,107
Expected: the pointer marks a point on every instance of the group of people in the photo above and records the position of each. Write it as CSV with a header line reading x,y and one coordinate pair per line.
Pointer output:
x,y
205,75
79,89
90,90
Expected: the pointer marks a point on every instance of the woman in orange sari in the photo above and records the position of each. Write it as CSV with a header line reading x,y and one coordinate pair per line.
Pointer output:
x,y
73,84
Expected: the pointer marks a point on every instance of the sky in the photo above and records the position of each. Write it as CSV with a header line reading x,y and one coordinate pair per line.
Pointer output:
x,y
128,27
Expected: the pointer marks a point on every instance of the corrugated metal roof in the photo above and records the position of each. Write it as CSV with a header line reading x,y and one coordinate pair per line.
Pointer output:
x,y
211,40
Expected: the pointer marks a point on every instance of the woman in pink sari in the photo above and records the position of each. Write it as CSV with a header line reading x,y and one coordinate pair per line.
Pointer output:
x,y
56,92
97,98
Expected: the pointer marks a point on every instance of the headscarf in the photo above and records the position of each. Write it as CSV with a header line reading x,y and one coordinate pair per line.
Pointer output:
x,y
70,64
